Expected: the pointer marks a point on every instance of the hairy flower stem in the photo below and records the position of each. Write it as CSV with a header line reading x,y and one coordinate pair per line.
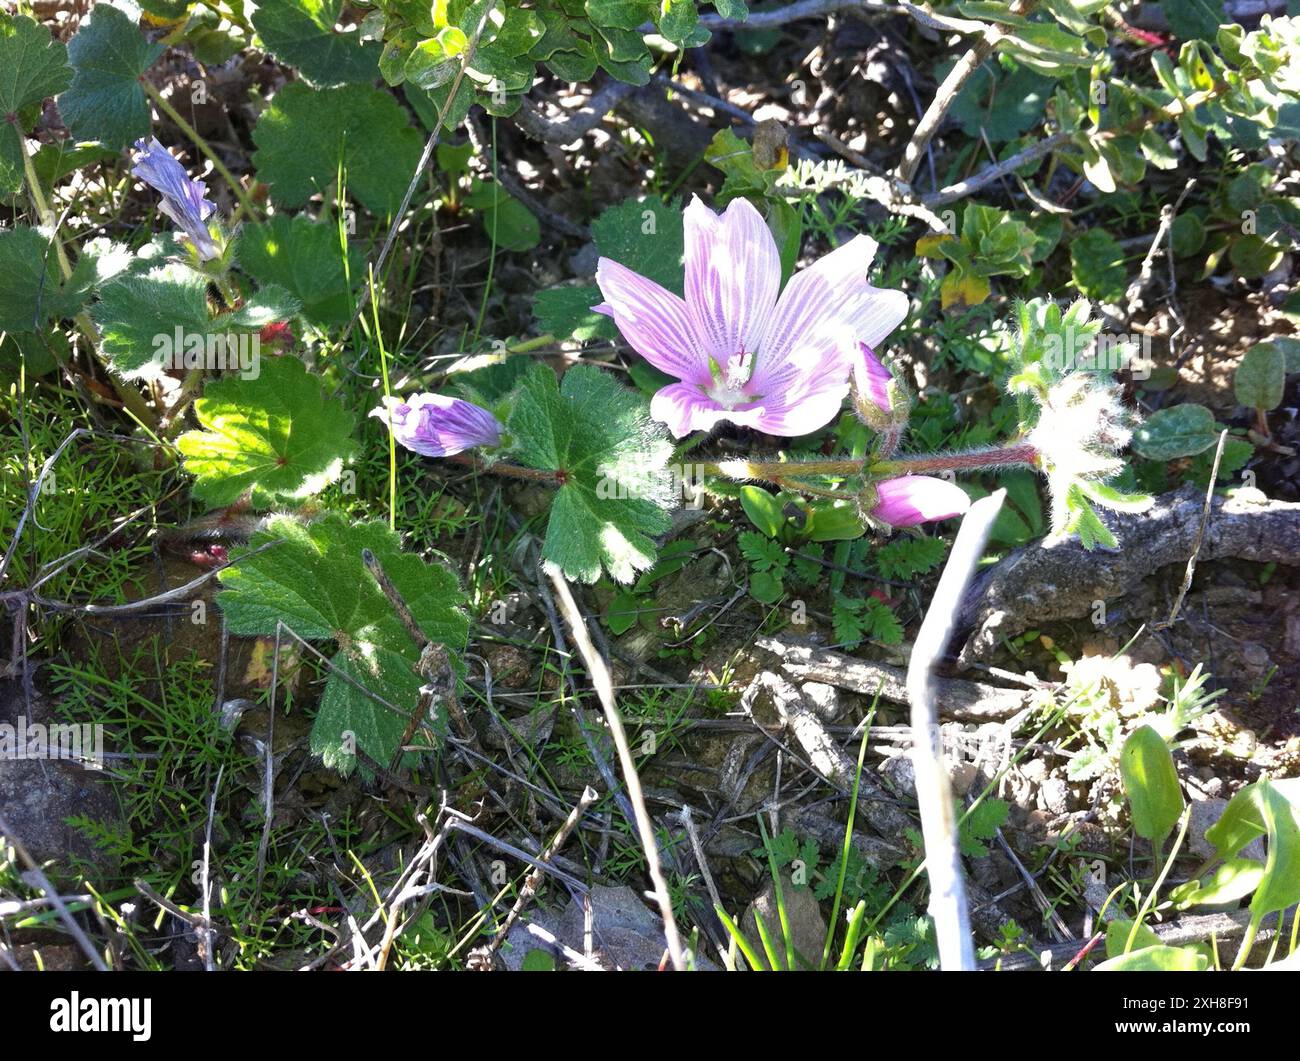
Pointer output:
x,y
791,474
964,461
1018,453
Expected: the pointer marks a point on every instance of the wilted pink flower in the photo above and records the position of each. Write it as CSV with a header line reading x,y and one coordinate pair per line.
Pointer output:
x,y
912,499
743,354
438,426
182,199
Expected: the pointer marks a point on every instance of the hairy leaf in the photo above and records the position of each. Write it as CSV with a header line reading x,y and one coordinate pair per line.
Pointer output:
x,y
313,580
305,258
277,434
306,135
611,460
301,33
105,101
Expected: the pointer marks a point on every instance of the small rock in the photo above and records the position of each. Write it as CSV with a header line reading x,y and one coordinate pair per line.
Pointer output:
x,y
807,926
1054,795
512,667
626,934
900,772
1254,655
826,700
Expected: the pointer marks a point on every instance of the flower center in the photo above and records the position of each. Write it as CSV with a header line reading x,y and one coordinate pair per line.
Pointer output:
x,y
729,382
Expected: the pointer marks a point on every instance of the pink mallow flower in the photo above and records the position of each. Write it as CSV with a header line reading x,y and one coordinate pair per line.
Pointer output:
x,y
438,426
745,351
912,499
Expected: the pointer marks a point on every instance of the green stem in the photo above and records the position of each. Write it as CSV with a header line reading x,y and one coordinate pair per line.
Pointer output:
x,y
774,471
1247,943
1018,453
532,344
815,491
197,140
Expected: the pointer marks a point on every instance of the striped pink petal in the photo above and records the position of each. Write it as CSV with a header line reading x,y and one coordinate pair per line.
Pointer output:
x,y
654,321
733,274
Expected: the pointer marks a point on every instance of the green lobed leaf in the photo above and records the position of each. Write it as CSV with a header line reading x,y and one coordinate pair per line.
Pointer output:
x,y
614,462
154,317
305,258
1097,263
566,312
301,33
105,101
276,434
35,64
34,67
646,236
306,135
313,580
32,291
506,220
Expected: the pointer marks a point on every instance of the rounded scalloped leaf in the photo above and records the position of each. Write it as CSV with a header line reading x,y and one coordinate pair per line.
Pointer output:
x,y
105,101
306,135
301,33
613,459
311,578
137,310
35,65
305,258
276,434
1181,431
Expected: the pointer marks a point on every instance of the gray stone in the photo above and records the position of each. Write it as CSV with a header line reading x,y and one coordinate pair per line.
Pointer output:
x,y
807,926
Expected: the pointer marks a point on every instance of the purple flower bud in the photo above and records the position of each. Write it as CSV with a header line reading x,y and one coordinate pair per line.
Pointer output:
x,y
438,426
871,379
182,199
912,499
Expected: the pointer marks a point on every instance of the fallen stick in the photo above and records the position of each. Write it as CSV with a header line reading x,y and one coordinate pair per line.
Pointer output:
x,y
1062,580
956,698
